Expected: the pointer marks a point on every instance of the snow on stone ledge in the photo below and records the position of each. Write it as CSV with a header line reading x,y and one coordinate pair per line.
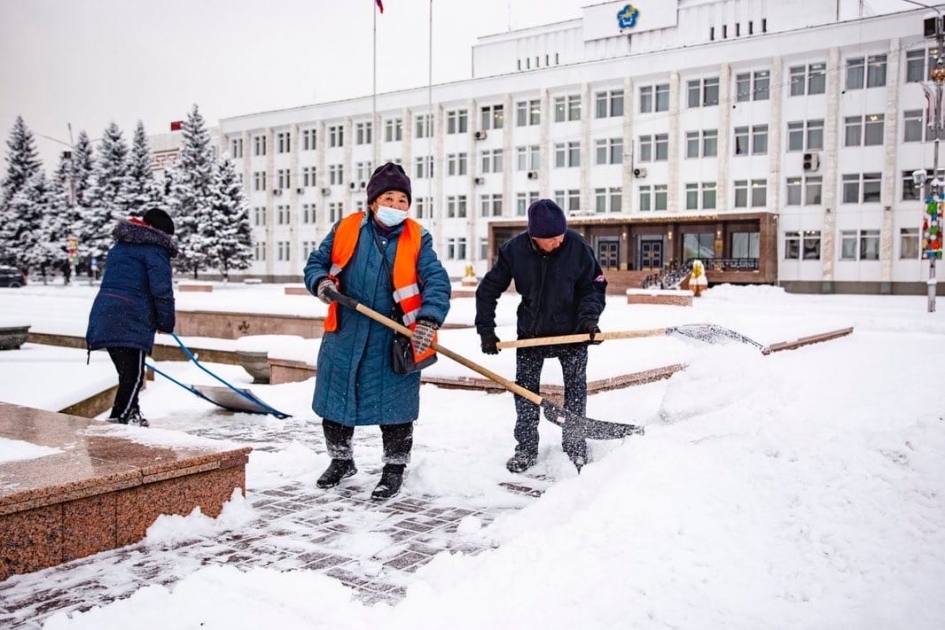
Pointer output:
x,y
18,450
679,292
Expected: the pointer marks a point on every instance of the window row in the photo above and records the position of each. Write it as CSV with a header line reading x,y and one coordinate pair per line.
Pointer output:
x,y
855,245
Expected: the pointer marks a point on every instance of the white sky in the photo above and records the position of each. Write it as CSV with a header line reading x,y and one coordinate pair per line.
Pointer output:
x,y
88,62
805,489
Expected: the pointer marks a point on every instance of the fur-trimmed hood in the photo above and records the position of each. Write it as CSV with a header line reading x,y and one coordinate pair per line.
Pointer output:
x,y
131,231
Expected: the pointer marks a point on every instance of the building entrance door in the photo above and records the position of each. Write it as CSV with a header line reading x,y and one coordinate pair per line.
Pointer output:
x,y
651,253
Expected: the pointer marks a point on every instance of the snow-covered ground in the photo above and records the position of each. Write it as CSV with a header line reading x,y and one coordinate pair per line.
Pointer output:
x,y
805,489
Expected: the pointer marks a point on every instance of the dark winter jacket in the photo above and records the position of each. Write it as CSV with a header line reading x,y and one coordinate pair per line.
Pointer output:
x,y
354,383
559,290
137,295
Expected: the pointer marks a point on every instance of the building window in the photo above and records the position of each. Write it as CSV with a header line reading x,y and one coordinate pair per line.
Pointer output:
x,y
527,113
362,172
798,245
810,79
569,200
703,92
423,126
654,98
859,245
527,158
919,64
490,205
336,136
609,151
457,121
283,215
259,216
745,244
523,200
567,154
363,133
393,130
456,164
336,210
491,161
259,180
282,179
804,191
308,139
863,130
259,251
283,142
456,207
423,207
492,117
700,196
759,140
423,166
758,197
259,145
335,175
660,197
236,148
753,86
862,188
608,104
607,200
308,213
805,135
908,243
869,72
913,126
567,108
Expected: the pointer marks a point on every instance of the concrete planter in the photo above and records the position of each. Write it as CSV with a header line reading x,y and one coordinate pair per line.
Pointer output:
x,y
257,364
12,337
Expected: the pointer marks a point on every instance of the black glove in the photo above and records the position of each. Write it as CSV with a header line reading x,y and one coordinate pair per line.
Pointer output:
x,y
324,285
423,335
489,341
589,326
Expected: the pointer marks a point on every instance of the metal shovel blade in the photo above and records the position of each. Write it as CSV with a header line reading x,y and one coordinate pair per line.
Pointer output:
x,y
593,429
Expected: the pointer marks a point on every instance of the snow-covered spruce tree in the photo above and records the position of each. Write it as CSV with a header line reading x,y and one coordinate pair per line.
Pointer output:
x,y
22,165
61,219
22,161
82,168
191,198
143,190
22,234
108,196
228,230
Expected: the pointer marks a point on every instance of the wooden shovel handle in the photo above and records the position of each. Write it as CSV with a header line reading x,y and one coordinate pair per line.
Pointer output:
x,y
551,341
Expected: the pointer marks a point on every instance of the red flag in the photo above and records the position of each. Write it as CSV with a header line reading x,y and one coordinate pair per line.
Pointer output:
x,y
380,5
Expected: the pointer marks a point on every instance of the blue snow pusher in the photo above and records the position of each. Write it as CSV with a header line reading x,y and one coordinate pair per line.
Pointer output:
x,y
228,397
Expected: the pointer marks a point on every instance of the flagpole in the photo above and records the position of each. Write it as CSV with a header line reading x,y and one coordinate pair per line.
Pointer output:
x,y
430,136
374,69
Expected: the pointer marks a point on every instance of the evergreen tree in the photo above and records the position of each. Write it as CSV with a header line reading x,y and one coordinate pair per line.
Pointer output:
x,y
61,219
82,168
143,189
229,230
191,199
22,161
22,234
108,197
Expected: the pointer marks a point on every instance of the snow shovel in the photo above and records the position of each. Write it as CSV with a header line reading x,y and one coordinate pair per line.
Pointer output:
x,y
594,429
709,333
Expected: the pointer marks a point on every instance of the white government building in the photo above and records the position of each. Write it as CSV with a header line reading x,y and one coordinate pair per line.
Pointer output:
x,y
770,139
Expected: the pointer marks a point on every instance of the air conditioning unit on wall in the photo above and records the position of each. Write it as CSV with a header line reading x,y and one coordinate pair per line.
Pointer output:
x,y
639,173
300,190
811,161
276,191
353,186
479,181
480,135
326,191
532,175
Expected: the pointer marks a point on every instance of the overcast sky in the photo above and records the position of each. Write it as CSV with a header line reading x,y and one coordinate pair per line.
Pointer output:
x,y
88,62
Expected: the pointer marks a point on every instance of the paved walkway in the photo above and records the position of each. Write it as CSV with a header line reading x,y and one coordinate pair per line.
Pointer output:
x,y
298,527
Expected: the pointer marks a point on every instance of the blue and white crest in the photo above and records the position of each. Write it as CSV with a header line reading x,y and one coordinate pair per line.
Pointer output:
x,y
627,16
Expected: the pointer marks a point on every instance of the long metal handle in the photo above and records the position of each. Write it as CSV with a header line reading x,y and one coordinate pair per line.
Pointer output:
x,y
551,341
513,387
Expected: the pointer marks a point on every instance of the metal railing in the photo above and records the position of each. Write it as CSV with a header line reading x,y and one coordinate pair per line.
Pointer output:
x,y
672,274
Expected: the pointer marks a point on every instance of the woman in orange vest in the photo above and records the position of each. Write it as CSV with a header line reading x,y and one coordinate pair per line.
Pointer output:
x,y
385,261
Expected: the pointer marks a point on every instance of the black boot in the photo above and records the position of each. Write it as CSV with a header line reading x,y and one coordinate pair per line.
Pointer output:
x,y
392,477
521,461
337,470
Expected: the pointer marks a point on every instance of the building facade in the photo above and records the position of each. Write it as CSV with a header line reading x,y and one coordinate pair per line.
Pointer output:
x,y
772,140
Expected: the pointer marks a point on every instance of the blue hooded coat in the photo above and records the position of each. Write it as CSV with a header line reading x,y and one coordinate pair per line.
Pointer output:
x,y
355,383
137,295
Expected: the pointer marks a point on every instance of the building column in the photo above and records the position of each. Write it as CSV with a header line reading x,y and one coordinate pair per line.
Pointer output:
x,y
295,209
831,133
435,190
775,126
586,150
672,183
270,201
471,223
322,220
507,156
723,185
544,152
890,164
626,169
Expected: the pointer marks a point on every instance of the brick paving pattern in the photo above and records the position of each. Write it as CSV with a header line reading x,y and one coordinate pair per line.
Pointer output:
x,y
299,527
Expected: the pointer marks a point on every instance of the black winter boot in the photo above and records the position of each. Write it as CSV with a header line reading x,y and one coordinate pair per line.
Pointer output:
x,y
337,470
520,462
392,477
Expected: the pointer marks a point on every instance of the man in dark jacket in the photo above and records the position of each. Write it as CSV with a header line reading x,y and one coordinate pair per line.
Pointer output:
x,y
563,291
136,299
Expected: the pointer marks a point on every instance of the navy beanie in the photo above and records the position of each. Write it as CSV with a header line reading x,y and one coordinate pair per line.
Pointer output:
x,y
386,177
546,219
159,220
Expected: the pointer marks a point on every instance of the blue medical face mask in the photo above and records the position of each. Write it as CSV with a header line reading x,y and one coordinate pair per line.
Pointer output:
x,y
390,216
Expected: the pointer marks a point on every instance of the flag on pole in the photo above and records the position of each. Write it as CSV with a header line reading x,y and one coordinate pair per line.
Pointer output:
x,y
380,5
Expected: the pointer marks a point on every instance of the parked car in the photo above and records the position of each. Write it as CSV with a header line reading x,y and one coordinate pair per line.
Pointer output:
x,y
11,277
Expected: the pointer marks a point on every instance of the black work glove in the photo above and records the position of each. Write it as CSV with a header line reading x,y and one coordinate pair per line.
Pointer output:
x,y
423,335
589,326
324,285
489,341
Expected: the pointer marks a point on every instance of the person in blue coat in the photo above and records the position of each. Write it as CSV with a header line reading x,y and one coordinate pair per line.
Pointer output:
x,y
563,292
355,383
136,298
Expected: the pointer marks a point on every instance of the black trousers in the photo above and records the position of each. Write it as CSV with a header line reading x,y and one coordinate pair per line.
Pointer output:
x,y
528,366
129,362
397,439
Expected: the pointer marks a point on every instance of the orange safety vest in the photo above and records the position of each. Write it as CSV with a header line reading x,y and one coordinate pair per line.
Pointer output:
x,y
406,288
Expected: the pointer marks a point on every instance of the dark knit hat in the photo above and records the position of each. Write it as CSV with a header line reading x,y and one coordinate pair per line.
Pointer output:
x,y
546,219
386,177
159,220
